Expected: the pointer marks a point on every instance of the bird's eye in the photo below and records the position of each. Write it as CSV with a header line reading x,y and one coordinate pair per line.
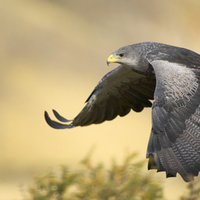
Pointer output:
x,y
121,55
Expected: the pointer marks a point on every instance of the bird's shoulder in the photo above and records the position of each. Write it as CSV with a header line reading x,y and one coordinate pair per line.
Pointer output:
x,y
175,54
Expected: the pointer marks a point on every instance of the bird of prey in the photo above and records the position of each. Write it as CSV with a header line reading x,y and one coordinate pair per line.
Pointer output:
x,y
149,72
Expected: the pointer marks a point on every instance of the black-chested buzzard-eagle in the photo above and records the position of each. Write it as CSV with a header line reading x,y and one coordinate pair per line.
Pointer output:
x,y
168,75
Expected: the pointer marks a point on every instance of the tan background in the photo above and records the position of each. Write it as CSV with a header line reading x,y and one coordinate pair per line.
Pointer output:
x,y
52,54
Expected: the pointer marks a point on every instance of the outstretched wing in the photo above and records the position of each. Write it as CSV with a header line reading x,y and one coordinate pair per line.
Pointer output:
x,y
174,144
117,93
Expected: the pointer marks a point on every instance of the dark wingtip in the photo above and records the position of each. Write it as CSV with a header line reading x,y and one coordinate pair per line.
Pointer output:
x,y
55,124
59,117
152,163
169,175
188,177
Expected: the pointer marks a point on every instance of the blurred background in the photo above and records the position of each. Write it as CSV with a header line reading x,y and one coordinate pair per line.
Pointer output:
x,y
52,55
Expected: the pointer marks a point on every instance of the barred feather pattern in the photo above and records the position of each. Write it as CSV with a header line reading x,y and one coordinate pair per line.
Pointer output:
x,y
176,147
182,156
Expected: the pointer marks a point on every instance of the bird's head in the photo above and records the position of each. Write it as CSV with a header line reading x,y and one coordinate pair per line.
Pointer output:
x,y
132,56
125,55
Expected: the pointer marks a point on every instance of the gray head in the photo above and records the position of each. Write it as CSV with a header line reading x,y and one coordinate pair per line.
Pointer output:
x,y
127,55
133,56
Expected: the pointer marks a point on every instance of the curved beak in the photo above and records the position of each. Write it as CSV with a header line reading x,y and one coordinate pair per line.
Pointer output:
x,y
112,59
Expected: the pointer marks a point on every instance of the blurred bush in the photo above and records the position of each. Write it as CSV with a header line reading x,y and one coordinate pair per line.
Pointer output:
x,y
120,182
193,191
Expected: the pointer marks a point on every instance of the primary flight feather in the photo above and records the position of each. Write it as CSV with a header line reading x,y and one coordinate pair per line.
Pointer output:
x,y
168,75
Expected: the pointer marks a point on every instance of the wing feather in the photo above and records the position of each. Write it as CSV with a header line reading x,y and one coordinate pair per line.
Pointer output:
x,y
117,93
175,114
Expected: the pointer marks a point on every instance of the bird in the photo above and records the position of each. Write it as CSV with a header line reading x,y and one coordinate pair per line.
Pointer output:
x,y
163,77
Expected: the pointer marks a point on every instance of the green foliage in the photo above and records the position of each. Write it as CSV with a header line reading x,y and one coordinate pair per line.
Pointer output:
x,y
121,182
48,187
193,191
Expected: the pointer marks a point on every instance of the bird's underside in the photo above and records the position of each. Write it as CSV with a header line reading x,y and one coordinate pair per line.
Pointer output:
x,y
151,71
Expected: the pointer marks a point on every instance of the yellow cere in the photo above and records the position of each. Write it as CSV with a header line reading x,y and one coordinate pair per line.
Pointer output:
x,y
111,59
